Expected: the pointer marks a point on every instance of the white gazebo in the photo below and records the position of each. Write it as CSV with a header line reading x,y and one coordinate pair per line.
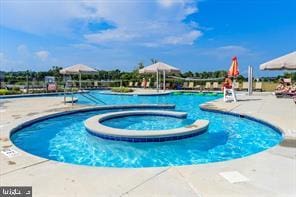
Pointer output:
x,y
286,62
159,67
78,69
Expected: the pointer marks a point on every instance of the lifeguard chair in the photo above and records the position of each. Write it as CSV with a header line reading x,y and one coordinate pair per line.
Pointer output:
x,y
229,93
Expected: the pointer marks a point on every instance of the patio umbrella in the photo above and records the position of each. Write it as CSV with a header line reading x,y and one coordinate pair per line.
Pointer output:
x,y
286,62
233,71
160,67
78,69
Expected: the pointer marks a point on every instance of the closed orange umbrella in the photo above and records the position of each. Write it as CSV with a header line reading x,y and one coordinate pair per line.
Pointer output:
x,y
233,71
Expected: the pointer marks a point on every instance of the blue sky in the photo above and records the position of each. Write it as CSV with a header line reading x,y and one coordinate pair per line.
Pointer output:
x,y
191,35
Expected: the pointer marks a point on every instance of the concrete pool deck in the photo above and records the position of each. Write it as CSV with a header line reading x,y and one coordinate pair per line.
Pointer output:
x,y
268,173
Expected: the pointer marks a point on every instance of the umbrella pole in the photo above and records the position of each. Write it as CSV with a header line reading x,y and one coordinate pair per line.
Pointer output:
x,y
164,80
80,81
64,88
157,82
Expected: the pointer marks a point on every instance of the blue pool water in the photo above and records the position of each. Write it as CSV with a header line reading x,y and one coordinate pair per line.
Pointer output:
x,y
65,139
147,122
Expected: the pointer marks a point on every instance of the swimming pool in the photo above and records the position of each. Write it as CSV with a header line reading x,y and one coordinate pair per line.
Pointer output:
x,y
65,138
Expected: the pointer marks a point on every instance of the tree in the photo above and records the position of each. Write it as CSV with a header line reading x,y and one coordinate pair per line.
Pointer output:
x,y
140,65
153,60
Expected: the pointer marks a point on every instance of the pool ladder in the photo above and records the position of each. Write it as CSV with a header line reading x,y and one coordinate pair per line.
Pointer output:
x,y
92,98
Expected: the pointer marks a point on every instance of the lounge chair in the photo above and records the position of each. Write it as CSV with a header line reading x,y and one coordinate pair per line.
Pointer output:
x,y
191,85
142,84
185,85
286,92
136,84
197,87
287,81
168,85
148,84
130,84
245,86
96,84
208,86
236,85
216,86
258,86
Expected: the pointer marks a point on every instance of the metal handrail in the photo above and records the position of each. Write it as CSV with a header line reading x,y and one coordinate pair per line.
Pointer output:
x,y
92,98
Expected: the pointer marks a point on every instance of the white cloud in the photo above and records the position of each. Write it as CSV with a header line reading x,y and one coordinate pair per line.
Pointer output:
x,y
228,51
23,51
187,38
233,49
42,55
146,23
111,35
135,22
166,3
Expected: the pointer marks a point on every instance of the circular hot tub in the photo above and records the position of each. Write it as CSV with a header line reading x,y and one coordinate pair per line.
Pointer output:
x,y
95,125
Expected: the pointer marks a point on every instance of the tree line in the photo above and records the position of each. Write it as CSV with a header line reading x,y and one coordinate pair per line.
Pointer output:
x,y
22,76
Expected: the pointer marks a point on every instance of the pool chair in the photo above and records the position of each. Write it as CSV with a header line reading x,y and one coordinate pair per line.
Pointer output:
x,y
136,84
142,84
287,81
185,85
155,85
96,84
191,85
208,86
148,84
258,86
130,84
216,86
90,84
245,86
197,87
167,85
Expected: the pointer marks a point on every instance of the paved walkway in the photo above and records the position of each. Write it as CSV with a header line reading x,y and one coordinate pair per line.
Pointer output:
x,y
269,173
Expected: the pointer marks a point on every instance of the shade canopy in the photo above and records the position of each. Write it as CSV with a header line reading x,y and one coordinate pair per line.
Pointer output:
x,y
78,69
286,62
158,67
233,71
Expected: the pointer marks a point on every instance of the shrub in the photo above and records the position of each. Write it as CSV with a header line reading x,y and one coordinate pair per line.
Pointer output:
x,y
15,88
8,92
122,89
3,92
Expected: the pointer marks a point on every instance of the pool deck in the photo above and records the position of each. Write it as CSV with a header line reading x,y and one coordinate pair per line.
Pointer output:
x,y
268,173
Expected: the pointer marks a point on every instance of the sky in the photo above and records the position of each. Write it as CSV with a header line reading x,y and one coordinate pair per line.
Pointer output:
x,y
118,34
